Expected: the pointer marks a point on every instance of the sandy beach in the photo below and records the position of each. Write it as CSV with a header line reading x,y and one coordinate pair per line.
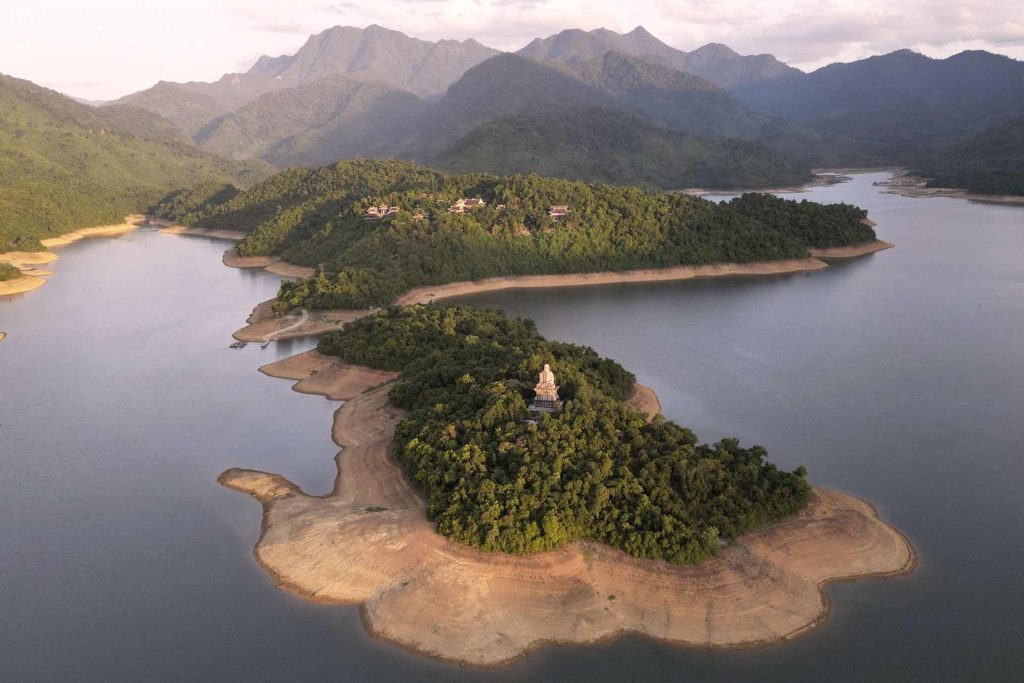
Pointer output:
x,y
906,185
271,264
130,223
369,542
20,285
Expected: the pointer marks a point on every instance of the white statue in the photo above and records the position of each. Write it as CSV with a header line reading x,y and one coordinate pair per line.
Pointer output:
x,y
546,389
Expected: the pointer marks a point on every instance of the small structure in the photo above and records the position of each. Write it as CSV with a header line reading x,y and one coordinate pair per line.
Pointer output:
x,y
464,205
558,212
376,213
546,399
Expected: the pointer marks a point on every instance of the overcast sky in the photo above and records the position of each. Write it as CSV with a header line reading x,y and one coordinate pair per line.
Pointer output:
x,y
102,49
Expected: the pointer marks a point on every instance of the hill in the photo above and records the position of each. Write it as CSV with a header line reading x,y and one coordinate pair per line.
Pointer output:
x,y
990,162
496,480
899,98
613,147
714,62
336,117
66,165
316,217
371,54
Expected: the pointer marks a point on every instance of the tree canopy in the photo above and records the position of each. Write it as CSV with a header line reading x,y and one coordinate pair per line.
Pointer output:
x,y
314,217
594,470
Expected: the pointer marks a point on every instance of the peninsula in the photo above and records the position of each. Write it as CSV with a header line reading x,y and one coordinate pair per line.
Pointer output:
x,y
447,553
370,231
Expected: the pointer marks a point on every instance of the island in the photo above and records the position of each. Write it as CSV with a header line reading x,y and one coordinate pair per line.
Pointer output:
x,y
473,524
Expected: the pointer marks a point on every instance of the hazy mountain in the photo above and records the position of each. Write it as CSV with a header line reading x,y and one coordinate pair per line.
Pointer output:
x,y
899,97
502,86
332,118
377,54
714,61
669,97
65,165
616,147
991,161
372,54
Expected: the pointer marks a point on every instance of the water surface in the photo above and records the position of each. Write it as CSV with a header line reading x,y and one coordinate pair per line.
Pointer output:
x,y
898,377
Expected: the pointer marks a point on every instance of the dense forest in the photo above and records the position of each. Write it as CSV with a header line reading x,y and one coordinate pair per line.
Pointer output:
x,y
8,272
990,162
594,470
314,217
66,165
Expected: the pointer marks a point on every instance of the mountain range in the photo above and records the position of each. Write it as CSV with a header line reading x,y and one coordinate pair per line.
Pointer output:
x,y
587,105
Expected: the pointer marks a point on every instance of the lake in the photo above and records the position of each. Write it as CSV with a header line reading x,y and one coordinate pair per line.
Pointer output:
x,y
898,377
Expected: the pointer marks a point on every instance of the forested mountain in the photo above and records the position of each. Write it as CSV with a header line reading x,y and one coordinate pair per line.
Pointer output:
x,y
371,54
668,97
715,62
990,162
616,147
66,165
316,217
333,118
900,97
588,121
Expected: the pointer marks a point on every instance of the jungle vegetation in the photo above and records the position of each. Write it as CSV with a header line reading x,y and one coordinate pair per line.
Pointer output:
x,y
595,470
314,217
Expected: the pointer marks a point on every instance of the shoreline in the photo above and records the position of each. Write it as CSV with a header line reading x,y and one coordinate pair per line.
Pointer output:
x,y
904,184
263,324
369,542
27,262
421,295
232,235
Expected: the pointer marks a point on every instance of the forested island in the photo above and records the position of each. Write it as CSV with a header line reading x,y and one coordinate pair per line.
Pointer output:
x,y
318,217
596,470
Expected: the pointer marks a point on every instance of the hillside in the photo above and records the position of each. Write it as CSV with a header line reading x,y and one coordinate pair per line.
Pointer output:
x,y
515,115
612,147
668,97
902,97
371,54
66,165
714,62
336,117
315,217
990,162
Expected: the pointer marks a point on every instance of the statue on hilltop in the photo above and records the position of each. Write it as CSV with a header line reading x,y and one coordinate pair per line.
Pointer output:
x,y
546,400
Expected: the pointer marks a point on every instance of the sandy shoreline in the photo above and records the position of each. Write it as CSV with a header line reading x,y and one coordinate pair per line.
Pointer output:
x,y
906,185
851,251
34,277
421,295
271,264
369,542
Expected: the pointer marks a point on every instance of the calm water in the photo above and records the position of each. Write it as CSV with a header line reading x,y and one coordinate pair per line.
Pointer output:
x,y
898,377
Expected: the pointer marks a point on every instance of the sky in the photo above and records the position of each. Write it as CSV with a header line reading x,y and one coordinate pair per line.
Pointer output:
x,y
102,49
